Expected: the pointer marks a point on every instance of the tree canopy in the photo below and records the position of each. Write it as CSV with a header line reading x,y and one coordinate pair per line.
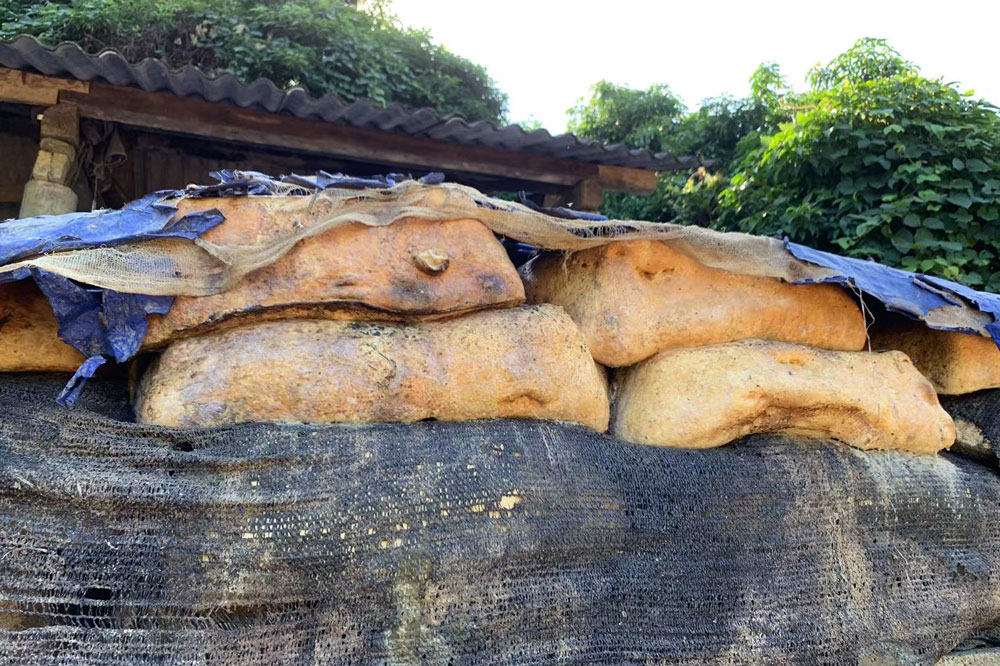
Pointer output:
x,y
327,46
874,160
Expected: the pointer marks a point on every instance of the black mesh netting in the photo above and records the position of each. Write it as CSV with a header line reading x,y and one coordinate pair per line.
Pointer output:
x,y
977,422
503,542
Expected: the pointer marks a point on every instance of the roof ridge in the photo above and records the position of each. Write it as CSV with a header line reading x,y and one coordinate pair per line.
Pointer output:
x,y
27,53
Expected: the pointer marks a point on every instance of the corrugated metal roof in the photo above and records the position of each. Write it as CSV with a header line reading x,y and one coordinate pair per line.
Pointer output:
x,y
69,60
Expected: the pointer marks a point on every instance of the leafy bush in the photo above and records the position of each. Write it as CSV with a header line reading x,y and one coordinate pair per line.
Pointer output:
x,y
678,198
325,45
874,161
868,60
638,118
655,119
899,169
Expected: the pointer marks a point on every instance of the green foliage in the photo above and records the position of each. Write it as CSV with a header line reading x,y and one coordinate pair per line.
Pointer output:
x,y
637,118
531,124
11,10
715,130
899,169
874,161
325,45
768,86
868,60
719,130
678,198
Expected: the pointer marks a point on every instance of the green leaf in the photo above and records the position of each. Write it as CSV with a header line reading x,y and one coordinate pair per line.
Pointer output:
x,y
973,278
865,227
912,220
958,164
976,166
960,199
902,240
932,223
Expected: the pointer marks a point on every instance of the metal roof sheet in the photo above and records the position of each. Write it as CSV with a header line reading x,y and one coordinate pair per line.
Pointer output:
x,y
69,60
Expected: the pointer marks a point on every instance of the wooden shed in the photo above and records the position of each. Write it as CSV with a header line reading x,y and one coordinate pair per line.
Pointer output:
x,y
111,131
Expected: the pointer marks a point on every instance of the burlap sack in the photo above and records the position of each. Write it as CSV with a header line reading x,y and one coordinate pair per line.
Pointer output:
x,y
29,334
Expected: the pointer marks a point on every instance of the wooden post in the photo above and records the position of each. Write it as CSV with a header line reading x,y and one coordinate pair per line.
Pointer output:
x,y
552,200
587,195
48,192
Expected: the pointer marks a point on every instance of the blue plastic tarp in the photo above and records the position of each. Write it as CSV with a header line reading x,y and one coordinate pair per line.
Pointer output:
x,y
242,183
912,294
103,324
100,323
144,219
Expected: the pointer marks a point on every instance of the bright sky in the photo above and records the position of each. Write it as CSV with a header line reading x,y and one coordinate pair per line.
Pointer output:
x,y
545,54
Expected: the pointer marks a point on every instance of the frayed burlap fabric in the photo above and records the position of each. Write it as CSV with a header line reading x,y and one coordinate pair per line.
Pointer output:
x,y
488,542
200,267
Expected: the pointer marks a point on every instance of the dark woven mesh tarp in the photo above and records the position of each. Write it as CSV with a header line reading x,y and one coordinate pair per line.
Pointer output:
x,y
982,411
503,542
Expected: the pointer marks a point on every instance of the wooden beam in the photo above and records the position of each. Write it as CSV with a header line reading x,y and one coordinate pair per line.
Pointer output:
x,y
619,179
28,88
165,112
587,195
554,199
183,115
62,122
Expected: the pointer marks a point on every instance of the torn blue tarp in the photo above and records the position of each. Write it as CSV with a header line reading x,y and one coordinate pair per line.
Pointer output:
x,y
99,323
109,323
985,301
912,294
103,324
144,219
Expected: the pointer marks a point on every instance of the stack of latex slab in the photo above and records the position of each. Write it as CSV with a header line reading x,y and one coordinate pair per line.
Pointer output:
x,y
706,356
29,333
964,369
418,319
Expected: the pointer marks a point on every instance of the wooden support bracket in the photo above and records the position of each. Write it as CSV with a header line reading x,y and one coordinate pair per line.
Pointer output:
x,y
587,195
28,88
